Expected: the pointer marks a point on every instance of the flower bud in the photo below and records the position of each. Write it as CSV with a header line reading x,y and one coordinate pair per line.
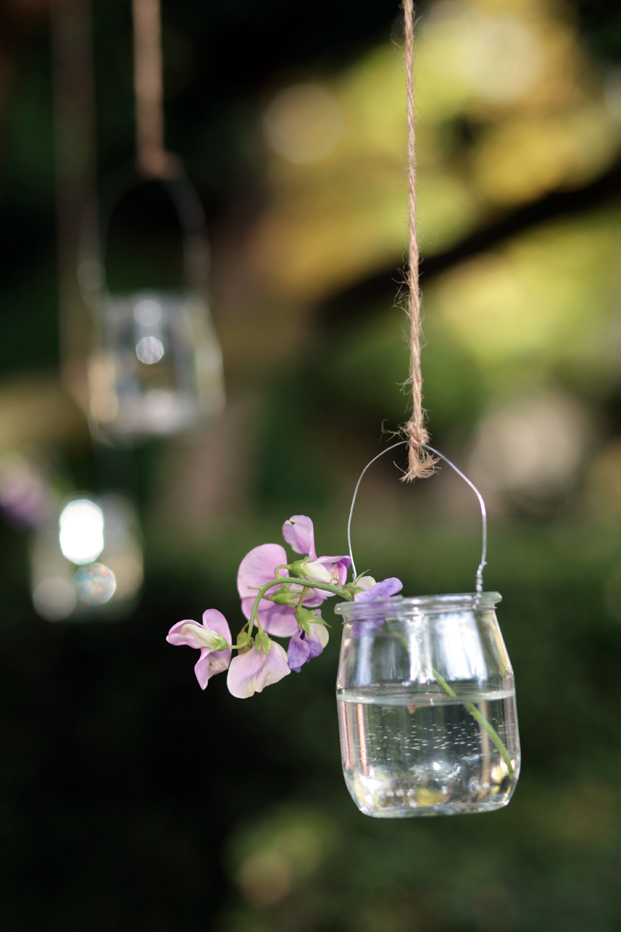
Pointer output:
x,y
285,597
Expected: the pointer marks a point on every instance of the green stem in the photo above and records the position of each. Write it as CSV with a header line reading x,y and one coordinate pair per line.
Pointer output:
x,y
305,583
303,595
480,718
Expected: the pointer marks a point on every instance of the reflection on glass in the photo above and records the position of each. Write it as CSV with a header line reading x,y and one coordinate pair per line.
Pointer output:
x,y
149,350
459,647
94,584
102,538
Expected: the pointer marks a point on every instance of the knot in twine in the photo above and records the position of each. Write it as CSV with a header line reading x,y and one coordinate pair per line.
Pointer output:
x,y
421,463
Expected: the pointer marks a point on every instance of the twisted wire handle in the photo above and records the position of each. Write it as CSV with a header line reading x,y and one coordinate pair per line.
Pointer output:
x,y
401,443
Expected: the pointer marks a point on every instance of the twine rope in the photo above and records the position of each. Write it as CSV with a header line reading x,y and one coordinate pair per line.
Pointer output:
x,y
420,463
152,159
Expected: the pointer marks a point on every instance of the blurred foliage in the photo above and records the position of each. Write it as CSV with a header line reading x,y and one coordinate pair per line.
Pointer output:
x,y
129,799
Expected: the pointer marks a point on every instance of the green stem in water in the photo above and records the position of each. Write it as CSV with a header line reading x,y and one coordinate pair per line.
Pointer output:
x,y
480,718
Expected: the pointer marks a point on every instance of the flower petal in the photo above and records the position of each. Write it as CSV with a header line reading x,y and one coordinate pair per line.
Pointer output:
x,y
335,567
319,637
186,632
299,533
258,567
298,651
200,636
253,671
215,620
383,589
209,663
278,620
304,647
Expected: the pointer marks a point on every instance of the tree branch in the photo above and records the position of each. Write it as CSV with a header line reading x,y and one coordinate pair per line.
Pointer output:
x,y
361,297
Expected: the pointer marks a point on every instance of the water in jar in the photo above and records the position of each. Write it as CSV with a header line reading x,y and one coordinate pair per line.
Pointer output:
x,y
408,754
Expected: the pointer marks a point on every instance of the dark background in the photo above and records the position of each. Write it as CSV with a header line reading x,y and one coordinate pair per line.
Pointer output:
x,y
128,798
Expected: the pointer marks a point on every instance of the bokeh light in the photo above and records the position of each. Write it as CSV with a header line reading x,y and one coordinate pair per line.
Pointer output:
x,y
81,531
303,123
54,598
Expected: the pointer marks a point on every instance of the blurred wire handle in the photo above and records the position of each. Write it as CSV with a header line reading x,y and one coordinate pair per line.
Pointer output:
x,y
420,463
153,161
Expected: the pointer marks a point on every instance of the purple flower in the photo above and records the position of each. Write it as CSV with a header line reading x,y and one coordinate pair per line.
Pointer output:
x,y
299,533
373,620
207,637
257,568
304,647
372,590
255,669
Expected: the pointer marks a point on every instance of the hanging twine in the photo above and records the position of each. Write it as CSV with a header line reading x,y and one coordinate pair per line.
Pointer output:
x,y
420,463
153,161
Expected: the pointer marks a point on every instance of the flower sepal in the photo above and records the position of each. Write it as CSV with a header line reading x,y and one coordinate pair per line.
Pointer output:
x,y
262,641
305,618
297,568
244,641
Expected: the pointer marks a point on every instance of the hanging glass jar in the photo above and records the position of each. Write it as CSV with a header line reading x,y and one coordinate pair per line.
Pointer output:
x,y
426,700
156,368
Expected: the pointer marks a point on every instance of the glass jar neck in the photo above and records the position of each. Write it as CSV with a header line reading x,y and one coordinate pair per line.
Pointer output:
x,y
418,605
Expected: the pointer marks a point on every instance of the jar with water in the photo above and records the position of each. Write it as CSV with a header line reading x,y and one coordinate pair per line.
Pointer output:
x,y
426,700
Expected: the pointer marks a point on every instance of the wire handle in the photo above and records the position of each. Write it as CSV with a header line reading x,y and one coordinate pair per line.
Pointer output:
x,y
96,221
401,443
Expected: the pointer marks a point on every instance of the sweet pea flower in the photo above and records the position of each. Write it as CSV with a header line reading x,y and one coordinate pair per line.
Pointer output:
x,y
304,647
299,533
257,668
383,589
207,637
257,568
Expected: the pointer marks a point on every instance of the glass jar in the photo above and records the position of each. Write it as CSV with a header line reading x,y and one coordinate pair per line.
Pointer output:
x,y
155,367
158,369
427,711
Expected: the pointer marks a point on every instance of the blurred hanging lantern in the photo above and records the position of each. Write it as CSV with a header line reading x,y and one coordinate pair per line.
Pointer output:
x,y
156,367
86,559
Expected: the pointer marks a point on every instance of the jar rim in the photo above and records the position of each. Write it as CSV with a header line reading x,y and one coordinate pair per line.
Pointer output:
x,y
418,605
